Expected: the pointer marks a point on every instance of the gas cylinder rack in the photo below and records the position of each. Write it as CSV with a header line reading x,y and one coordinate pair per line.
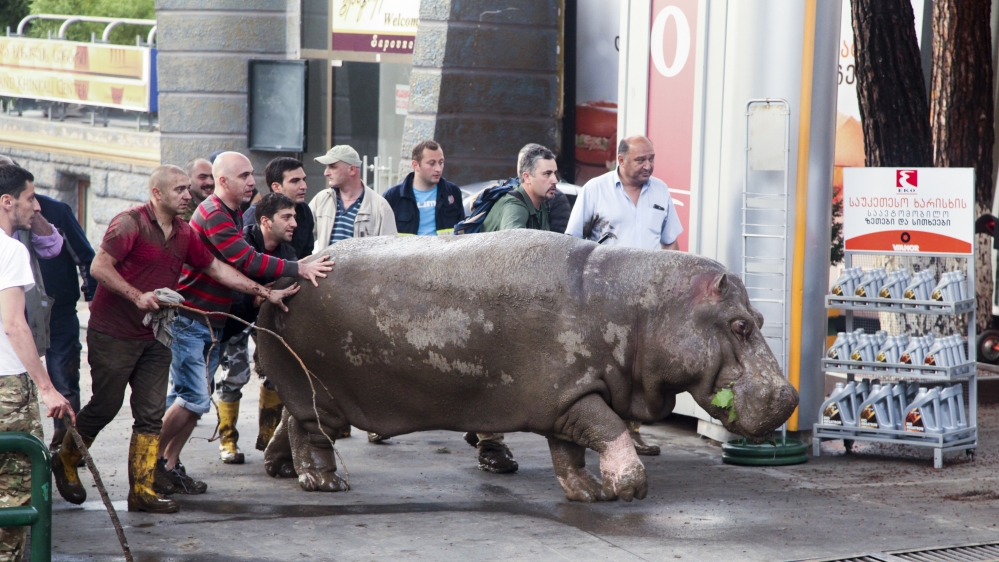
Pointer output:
x,y
898,313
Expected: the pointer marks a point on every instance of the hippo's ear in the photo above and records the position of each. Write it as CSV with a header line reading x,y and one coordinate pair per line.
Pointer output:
x,y
713,288
720,286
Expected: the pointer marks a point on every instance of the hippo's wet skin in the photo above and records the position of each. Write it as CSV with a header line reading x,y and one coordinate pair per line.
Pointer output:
x,y
517,331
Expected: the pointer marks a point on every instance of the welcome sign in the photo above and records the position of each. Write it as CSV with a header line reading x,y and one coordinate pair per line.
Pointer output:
x,y
904,210
375,26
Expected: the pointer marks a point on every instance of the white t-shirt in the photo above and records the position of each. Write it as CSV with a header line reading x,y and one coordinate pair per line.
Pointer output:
x,y
15,271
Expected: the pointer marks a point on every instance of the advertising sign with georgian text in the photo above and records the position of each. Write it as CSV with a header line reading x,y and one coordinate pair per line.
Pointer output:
x,y
71,72
900,210
375,26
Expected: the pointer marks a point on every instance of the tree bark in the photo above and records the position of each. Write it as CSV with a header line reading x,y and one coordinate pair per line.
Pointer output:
x,y
962,116
890,85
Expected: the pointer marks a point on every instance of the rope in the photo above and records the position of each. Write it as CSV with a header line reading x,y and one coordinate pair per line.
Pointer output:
x,y
100,486
309,374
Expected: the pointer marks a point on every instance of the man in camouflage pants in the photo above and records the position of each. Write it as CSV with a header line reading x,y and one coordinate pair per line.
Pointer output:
x,y
20,368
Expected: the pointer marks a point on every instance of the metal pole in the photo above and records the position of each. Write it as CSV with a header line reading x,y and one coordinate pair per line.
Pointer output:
x,y
39,514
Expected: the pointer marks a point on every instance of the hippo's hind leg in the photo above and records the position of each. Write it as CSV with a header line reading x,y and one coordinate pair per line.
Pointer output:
x,y
590,422
278,461
569,461
315,460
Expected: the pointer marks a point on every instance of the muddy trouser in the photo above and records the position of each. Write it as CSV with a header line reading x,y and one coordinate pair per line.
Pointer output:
x,y
18,412
116,364
235,371
485,438
62,360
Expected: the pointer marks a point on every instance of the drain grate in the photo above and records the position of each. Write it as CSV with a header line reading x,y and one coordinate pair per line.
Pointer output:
x,y
980,552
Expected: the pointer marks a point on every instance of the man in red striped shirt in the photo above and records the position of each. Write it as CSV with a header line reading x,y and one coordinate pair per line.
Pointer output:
x,y
219,223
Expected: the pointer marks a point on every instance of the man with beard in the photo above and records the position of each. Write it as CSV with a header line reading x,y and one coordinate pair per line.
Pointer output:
x,y
202,184
628,207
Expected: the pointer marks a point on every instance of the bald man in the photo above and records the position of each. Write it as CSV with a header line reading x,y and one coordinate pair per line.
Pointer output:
x,y
628,207
143,249
218,223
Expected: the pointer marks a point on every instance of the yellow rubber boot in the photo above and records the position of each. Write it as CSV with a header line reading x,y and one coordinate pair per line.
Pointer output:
x,y
228,450
142,453
270,416
67,479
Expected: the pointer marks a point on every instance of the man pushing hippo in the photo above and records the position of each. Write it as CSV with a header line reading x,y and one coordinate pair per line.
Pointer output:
x,y
538,332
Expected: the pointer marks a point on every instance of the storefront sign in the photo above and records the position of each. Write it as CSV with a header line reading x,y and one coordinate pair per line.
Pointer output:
x,y
84,73
671,94
375,26
896,210
401,99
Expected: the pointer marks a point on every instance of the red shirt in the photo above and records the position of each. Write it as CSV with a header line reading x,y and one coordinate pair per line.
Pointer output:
x,y
147,261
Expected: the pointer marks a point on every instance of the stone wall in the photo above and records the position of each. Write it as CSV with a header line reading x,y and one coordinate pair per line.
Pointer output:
x,y
117,164
485,82
204,48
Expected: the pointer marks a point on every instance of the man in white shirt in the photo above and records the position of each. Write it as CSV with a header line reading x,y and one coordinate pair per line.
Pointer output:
x,y
628,207
22,377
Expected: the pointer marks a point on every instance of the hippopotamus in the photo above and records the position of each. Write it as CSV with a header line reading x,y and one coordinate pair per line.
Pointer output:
x,y
517,330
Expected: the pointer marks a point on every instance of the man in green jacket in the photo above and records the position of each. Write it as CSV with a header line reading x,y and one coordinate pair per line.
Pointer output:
x,y
524,207
527,205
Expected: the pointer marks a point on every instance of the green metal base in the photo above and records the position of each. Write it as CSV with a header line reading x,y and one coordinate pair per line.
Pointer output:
x,y
741,452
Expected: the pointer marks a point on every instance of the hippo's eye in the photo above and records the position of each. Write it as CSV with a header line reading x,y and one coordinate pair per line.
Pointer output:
x,y
741,327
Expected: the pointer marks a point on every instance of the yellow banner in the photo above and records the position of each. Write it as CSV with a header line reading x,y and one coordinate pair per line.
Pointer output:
x,y
69,88
77,58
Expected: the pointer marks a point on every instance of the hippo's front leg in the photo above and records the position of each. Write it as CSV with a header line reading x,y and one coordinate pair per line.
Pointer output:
x,y
591,423
315,460
569,461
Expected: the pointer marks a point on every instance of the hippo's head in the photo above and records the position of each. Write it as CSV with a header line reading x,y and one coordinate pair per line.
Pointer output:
x,y
740,382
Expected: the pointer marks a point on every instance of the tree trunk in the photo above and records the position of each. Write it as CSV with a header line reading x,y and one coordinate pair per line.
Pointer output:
x,y
962,115
890,86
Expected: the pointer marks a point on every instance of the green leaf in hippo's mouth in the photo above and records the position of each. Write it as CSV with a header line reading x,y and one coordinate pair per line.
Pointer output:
x,y
725,399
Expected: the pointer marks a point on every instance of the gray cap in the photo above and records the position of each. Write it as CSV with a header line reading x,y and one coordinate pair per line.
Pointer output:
x,y
341,153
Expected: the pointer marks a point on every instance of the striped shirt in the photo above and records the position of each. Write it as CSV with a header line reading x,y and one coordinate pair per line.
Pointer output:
x,y
220,228
343,224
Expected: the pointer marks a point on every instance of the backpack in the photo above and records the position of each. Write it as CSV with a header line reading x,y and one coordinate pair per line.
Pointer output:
x,y
482,205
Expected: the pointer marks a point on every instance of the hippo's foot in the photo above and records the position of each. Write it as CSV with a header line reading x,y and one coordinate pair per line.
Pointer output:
x,y
315,481
623,474
315,460
581,486
569,462
278,460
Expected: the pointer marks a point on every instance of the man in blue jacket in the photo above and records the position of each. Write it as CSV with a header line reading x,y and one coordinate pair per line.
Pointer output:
x,y
62,276
426,204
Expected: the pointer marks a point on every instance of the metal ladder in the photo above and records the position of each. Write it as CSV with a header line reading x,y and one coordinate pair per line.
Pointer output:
x,y
764,219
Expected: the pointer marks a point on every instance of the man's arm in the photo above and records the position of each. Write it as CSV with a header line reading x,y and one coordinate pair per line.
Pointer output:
x,y
674,246
576,220
232,278
103,270
237,253
16,327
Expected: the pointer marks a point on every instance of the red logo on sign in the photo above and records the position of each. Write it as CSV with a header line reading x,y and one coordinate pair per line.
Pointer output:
x,y
906,180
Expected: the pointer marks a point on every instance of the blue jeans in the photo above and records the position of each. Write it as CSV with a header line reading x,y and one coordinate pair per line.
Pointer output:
x,y
62,360
192,341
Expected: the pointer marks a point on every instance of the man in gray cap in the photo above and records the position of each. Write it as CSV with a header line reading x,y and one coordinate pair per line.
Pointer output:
x,y
349,209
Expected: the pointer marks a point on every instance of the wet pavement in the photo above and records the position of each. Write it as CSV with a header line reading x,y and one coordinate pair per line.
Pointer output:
x,y
420,497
